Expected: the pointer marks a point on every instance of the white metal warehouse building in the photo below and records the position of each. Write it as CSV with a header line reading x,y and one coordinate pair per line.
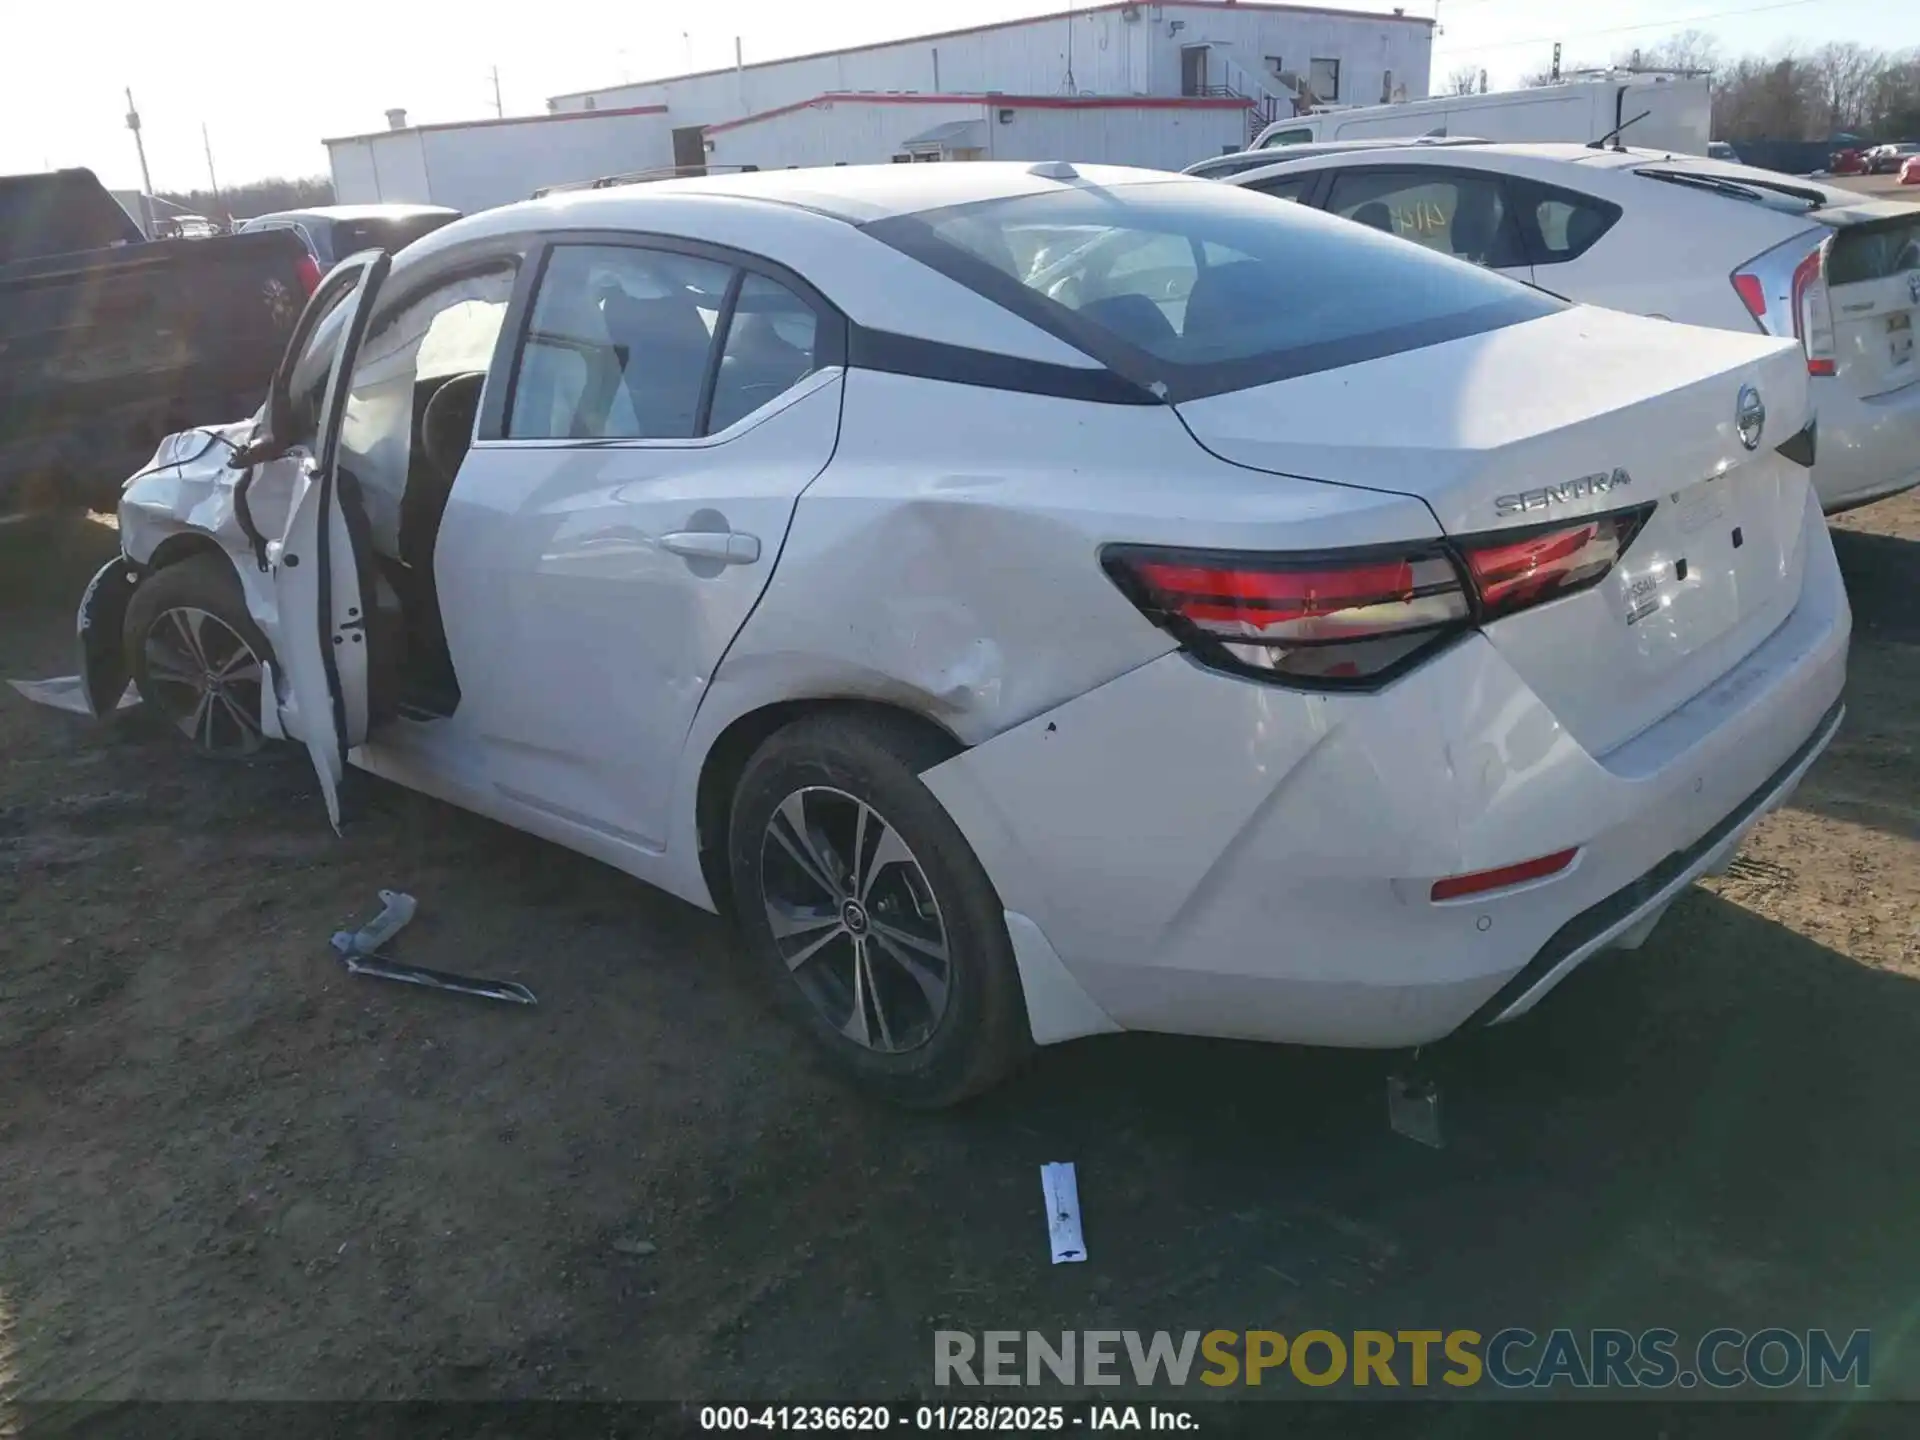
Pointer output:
x,y
1125,82
1155,131
483,163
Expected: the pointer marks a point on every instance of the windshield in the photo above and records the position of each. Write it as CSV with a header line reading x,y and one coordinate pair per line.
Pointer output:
x,y
1191,289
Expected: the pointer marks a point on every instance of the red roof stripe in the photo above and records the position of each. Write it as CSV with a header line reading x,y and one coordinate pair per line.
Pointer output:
x,y
1010,102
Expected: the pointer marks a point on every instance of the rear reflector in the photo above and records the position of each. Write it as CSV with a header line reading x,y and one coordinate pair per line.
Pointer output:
x,y
1455,887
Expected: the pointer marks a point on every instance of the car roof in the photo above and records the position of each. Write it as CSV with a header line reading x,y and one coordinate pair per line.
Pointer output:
x,y
856,193
1609,159
1273,154
352,213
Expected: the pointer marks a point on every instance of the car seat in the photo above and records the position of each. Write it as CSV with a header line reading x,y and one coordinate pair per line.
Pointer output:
x,y
757,366
1376,215
1475,224
1134,318
662,344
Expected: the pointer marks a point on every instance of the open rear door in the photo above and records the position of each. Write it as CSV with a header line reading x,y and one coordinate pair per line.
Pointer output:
x,y
318,563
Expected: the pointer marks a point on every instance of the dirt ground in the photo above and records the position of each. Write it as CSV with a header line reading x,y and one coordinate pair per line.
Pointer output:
x,y
228,1170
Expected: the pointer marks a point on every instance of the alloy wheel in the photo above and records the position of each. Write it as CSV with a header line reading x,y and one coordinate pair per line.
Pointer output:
x,y
206,679
855,919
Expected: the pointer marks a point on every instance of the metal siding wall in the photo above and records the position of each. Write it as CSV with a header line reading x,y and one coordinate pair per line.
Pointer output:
x,y
353,179
478,167
1110,56
872,133
390,168
619,97
1155,139
859,134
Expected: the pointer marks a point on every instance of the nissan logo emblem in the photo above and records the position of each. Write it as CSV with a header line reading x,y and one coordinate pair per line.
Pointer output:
x,y
1750,417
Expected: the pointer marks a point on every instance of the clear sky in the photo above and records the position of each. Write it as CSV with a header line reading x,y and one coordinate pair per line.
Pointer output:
x,y
270,80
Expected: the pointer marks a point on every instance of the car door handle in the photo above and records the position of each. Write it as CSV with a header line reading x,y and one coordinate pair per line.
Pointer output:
x,y
729,547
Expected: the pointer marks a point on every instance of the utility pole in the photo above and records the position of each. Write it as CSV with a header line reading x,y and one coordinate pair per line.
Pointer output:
x,y
146,180
498,108
213,181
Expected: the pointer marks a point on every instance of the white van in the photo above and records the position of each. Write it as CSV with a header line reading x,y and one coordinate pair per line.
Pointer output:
x,y
1660,112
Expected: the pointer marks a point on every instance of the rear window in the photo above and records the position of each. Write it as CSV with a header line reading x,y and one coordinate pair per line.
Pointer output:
x,y
1874,251
1781,195
350,236
1193,289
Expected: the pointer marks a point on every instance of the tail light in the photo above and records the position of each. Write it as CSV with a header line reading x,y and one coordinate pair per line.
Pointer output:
x,y
1342,620
1352,620
1785,290
1512,572
308,269
1753,294
1813,313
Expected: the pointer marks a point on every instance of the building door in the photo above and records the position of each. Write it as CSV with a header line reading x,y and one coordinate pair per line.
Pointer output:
x,y
690,149
1193,69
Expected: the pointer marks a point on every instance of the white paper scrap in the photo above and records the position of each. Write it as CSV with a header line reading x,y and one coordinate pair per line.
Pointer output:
x,y
1057,1183
64,692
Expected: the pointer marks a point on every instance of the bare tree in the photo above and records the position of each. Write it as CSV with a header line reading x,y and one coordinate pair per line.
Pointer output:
x,y
261,197
1893,103
1690,50
1777,99
1464,80
1847,75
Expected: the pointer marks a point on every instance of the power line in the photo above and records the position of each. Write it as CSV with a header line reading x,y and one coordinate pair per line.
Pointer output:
x,y
1669,24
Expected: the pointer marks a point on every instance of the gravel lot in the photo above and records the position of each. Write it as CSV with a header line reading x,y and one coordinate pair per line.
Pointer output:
x,y
226,1169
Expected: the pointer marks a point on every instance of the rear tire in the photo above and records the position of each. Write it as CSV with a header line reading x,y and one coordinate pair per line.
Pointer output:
x,y
196,656
868,912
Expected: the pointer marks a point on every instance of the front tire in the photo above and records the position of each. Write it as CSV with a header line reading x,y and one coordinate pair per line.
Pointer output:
x,y
196,656
870,914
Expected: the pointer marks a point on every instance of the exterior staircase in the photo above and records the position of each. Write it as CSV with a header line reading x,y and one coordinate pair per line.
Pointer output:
x,y
1267,96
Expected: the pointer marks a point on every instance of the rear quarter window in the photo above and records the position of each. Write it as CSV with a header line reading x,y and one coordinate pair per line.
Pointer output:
x,y
1559,225
1188,289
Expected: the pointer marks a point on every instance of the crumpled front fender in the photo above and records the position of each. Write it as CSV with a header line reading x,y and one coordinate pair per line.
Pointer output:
x,y
99,629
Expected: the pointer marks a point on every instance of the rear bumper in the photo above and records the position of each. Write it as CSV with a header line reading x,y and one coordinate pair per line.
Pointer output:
x,y
1626,917
1211,856
1869,449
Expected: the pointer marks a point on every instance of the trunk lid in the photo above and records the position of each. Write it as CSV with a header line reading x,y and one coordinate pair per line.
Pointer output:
x,y
1873,283
1542,423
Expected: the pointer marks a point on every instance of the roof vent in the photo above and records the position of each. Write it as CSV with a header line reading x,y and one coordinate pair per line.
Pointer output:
x,y
396,119
1054,170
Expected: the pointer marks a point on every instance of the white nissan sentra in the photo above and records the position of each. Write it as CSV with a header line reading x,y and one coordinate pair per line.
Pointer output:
x,y
1030,601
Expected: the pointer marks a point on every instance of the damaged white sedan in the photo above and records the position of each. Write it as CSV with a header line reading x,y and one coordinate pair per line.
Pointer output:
x,y
1032,602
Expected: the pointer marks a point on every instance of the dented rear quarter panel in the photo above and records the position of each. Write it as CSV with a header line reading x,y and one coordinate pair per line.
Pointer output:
x,y
947,561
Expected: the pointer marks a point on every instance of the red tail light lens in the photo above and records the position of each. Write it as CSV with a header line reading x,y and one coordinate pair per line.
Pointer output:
x,y
1515,570
1355,619
1813,313
1347,620
308,269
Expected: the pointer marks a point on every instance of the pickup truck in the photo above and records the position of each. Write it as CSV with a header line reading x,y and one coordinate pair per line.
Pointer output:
x,y
110,342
